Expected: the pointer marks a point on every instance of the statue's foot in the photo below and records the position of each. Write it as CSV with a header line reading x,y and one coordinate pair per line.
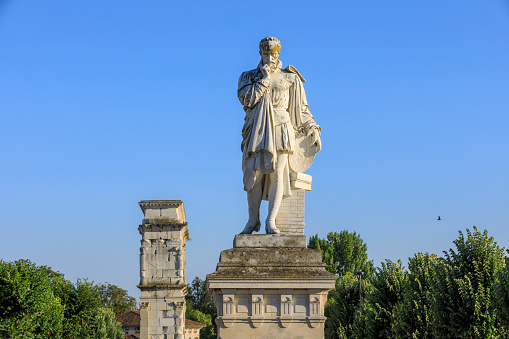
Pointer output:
x,y
251,226
270,227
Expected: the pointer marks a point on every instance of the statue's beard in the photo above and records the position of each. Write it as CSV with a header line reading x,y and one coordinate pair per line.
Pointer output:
x,y
273,65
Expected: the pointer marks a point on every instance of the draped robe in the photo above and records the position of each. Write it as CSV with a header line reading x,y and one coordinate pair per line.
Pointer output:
x,y
275,109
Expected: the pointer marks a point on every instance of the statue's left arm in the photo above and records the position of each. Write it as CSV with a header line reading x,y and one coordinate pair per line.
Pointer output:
x,y
307,120
302,118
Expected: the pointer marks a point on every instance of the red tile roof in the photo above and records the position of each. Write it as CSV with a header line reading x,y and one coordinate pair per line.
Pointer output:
x,y
129,318
192,323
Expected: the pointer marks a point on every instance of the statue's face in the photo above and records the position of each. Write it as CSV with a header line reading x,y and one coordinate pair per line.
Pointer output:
x,y
270,58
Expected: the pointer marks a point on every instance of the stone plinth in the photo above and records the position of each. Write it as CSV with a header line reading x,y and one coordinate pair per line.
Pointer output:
x,y
163,269
269,240
290,218
270,291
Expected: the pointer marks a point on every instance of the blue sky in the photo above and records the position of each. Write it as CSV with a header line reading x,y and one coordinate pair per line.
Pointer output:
x,y
106,103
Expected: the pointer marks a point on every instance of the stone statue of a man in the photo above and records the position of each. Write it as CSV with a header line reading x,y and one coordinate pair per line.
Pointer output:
x,y
276,108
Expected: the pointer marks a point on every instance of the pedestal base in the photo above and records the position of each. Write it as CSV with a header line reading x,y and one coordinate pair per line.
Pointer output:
x,y
276,291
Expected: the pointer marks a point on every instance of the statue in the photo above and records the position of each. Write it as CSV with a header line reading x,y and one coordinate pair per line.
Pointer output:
x,y
276,111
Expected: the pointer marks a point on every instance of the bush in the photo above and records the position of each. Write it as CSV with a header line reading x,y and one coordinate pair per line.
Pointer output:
x,y
28,307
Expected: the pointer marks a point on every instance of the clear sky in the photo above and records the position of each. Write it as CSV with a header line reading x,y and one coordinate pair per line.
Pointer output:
x,y
106,103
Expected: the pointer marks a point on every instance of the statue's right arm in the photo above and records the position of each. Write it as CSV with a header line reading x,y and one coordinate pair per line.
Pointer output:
x,y
251,89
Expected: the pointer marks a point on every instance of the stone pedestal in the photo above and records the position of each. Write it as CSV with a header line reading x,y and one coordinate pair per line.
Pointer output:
x,y
290,218
163,269
270,286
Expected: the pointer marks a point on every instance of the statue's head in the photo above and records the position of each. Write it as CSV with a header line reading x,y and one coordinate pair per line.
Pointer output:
x,y
270,48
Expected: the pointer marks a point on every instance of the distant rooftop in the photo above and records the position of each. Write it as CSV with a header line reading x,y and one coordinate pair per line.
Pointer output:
x,y
132,318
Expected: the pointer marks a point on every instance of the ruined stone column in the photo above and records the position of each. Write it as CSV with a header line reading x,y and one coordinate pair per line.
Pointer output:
x,y
163,269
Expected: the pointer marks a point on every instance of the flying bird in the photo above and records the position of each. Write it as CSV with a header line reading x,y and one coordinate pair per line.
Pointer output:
x,y
439,218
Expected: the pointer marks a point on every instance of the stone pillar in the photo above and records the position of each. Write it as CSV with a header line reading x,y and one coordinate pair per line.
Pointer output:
x,y
270,286
163,269
290,218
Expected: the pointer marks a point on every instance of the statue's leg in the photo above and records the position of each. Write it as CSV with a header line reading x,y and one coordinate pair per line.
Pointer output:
x,y
254,199
276,192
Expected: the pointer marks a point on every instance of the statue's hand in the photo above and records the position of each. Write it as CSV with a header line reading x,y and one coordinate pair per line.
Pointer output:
x,y
265,70
316,142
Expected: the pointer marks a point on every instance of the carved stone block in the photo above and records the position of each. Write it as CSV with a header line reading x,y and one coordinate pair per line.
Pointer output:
x,y
275,292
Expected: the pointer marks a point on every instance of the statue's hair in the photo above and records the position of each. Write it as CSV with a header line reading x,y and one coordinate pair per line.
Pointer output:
x,y
270,44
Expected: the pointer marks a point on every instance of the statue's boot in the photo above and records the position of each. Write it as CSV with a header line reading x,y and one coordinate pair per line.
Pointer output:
x,y
251,226
270,227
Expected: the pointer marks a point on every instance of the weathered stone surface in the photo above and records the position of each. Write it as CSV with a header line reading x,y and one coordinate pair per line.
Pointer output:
x,y
301,181
290,218
162,269
269,240
271,263
279,134
273,286
163,211
272,292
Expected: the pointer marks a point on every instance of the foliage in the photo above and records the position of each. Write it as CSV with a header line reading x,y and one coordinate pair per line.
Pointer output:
x,y
342,303
361,319
82,303
200,297
115,298
209,332
462,298
37,302
327,252
343,252
388,286
465,294
501,297
200,307
109,327
28,307
411,316
198,316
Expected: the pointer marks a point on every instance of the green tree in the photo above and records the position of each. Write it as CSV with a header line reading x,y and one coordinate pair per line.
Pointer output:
x,y
82,304
411,316
327,252
376,315
501,297
115,298
109,327
342,304
462,304
200,307
28,307
209,332
343,252
84,314
362,314
37,302
200,297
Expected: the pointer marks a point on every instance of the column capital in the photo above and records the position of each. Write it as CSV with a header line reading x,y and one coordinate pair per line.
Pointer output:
x,y
163,211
